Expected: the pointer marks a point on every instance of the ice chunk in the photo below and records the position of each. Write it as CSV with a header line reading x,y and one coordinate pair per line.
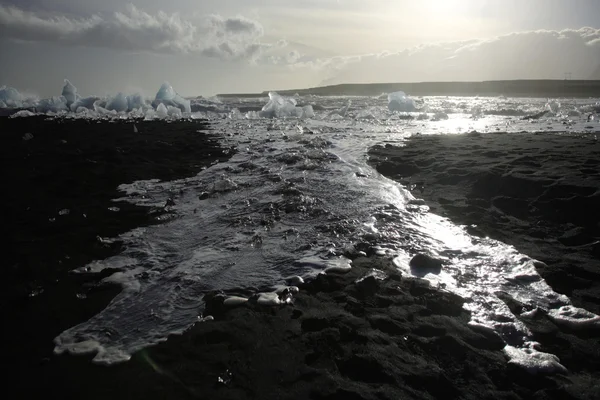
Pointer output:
x,y
399,101
118,103
308,112
161,111
53,104
10,97
136,101
166,95
87,102
174,112
553,106
69,92
281,107
268,299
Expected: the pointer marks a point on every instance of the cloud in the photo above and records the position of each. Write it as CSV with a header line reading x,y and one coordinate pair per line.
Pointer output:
x,y
543,54
135,30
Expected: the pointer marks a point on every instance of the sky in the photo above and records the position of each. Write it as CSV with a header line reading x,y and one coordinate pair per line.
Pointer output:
x,y
204,47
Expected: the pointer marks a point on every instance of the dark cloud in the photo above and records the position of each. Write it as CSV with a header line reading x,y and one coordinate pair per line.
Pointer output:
x,y
136,30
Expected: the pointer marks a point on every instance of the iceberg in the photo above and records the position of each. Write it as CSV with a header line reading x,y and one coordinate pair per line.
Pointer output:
x,y
161,111
87,102
10,97
136,101
69,92
53,104
119,103
168,97
399,101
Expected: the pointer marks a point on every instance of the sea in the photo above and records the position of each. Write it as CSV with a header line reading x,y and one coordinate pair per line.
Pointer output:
x,y
298,195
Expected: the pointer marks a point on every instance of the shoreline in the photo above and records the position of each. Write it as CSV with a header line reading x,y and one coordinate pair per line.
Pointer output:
x,y
509,88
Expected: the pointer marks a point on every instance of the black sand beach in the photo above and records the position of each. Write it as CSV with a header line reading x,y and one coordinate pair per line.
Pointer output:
x,y
390,339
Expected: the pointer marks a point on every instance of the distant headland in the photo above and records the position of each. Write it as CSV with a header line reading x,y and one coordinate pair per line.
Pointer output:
x,y
513,88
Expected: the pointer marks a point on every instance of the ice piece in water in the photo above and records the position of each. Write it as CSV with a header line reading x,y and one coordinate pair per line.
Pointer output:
x,y
69,92
166,95
281,107
161,111
308,112
118,103
399,101
553,106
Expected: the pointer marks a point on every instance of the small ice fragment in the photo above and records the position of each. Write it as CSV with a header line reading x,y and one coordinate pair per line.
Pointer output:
x,y
114,209
233,301
27,136
64,211
268,299
294,280
340,265
135,129
375,273
205,319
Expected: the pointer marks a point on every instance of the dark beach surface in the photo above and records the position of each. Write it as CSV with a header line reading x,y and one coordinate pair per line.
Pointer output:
x,y
539,192
395,338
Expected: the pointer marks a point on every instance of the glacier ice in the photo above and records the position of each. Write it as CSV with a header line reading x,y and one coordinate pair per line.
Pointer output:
x,y
86,102
136,101
281,107
166,95
161,111
69,92
10,97
399,101
53,104
118,103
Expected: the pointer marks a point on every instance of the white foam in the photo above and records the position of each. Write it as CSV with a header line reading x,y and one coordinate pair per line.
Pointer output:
x,y
534,361
23,113
574,317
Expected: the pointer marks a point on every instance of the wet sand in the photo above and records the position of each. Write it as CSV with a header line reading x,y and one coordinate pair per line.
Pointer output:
x,y
340,339
538,192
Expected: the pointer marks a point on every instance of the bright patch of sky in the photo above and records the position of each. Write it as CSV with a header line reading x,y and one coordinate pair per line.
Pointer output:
x,y
210,46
